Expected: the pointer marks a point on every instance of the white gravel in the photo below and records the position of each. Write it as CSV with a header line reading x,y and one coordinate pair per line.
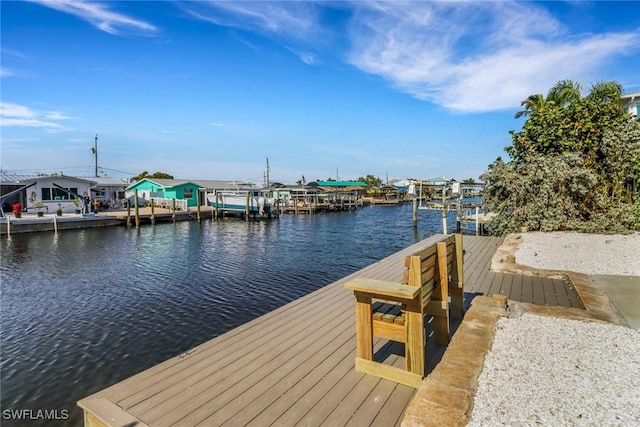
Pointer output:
x,y
553,371
582,253
558,372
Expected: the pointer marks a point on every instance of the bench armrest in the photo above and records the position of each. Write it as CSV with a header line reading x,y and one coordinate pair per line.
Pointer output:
x,y
383,288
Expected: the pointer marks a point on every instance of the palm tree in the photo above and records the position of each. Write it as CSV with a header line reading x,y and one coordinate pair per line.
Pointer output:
x,y
564,93
532,103
606,92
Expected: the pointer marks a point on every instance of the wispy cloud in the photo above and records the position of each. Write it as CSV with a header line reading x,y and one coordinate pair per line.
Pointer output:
x,y
15,115
100,15
290,22
217,124
297,20
476,56
466,56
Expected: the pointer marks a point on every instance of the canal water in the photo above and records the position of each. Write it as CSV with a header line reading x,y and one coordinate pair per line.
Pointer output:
x,y
85,309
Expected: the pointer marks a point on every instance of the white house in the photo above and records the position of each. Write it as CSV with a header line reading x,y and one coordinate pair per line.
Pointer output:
x,y
53,191
631,103
110,191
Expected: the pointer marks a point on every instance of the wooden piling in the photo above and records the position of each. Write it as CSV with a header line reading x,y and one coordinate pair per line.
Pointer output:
x,y
246,215
217,212
153,212
198,204
137,209
173,214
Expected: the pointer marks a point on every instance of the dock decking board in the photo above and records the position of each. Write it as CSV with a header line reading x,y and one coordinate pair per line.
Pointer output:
x,y
295,365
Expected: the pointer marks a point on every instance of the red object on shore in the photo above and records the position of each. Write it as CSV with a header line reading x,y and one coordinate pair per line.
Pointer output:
x,y
16,207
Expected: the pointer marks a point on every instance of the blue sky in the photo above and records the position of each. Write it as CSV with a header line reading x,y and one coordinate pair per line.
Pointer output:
x,y
209,90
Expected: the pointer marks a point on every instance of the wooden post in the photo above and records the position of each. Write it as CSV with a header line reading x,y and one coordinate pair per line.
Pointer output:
x,y
128,213
441,322
477,220
137,209
198,203
173,215
246,211
457,280
153,212
414,347
415,207
8,226
364,331
55,225
444,220
215,209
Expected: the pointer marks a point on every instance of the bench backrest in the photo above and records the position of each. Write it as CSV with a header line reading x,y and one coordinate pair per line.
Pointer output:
x,y
433,266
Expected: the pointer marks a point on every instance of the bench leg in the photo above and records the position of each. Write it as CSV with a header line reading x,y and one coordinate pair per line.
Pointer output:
x,y
441,320
364,327
416,343
457,277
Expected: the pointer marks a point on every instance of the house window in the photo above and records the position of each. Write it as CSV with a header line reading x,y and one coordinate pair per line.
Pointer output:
x,y
188,193
46,194
59,194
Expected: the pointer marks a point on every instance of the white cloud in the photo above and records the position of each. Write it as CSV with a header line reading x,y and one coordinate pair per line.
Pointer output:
x,y
217,124
293,19
14,110
477,56
15,115
99,15
289,21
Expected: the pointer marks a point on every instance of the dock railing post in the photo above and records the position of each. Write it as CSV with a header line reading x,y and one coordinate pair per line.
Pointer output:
x,y
477,220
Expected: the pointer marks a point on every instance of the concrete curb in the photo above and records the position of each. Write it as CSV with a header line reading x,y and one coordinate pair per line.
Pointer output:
x,y
445,397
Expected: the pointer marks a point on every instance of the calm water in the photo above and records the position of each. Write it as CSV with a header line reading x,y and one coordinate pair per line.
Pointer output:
x,y
88,308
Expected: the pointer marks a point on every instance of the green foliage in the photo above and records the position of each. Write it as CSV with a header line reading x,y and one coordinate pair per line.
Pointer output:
x,y
575,165
145,174
372,181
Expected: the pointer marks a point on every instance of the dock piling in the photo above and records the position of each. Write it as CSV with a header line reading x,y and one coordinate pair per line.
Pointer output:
x,y
137,210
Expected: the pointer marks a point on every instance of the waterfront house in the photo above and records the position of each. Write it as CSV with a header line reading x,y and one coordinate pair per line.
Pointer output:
x,y
631,103
108,190
187,192
43,192
165,190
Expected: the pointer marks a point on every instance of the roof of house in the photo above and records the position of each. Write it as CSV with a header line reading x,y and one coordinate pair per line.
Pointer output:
x,y
7,178
339,183
106,181
202,183
630,96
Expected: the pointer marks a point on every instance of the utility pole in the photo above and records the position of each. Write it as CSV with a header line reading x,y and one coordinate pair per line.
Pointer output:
x,y
267,181
94,150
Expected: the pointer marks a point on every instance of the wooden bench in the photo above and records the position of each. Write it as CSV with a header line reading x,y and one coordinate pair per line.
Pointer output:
x,y
396,310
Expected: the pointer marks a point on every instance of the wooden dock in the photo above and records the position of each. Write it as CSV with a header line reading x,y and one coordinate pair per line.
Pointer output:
x,y
295,365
